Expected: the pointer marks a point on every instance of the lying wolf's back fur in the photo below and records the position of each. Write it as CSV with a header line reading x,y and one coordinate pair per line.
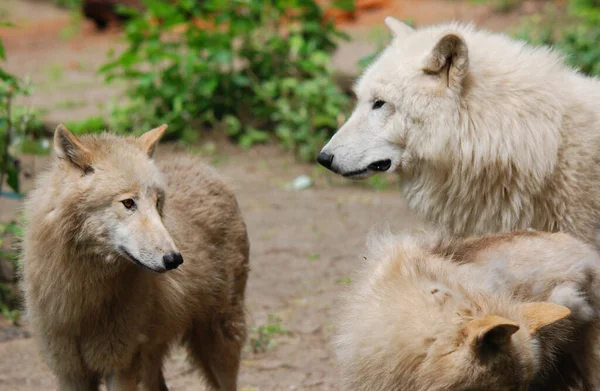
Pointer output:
x,y
95,313
402,323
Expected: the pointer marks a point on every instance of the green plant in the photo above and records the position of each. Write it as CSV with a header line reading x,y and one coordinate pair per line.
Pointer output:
x,y
500,5
378,182
10,88
19,127
70,4
10,229
9,301
74,26
95,124
576,34
381,38
20,130
253,68
343,281
263,339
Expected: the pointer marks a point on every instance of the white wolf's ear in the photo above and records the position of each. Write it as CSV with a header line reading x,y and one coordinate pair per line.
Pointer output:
x,y
397,28
449,59
490,331
538,315
69,148
149,140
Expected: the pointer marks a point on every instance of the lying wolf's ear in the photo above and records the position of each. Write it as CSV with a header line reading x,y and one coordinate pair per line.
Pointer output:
x,y
69,148
449,59
149,140
538,315
490,332
397,28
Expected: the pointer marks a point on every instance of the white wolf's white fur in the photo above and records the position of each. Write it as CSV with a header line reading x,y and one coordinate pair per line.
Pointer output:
x,y
489,134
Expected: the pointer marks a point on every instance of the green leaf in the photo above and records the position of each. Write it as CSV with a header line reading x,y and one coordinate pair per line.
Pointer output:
x,y
241,80
222,57
207,87
178,104
13,177
233,126
344,5
14,229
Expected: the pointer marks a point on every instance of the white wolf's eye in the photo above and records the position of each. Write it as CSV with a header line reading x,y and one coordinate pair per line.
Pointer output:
x,y
378,104
128,203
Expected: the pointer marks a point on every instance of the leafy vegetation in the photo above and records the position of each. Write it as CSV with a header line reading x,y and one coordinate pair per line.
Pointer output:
x,y
576,35
95,124
19,131
264,336
18,125
9,301
255,69
70,4
501,5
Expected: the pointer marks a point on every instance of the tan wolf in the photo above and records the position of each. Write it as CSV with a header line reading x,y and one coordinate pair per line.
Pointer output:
x,y
122,258
488,134
515,311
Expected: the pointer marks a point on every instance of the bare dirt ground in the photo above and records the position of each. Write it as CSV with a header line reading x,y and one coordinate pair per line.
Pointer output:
x,y
305,243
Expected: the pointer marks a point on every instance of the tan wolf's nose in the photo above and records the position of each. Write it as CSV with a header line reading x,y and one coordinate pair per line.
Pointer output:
x,y
172,260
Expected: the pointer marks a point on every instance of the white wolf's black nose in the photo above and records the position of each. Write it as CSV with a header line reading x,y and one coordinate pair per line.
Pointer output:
x,y
325,159
172,260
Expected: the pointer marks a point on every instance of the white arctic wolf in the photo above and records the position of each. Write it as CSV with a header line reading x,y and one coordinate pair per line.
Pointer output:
x,y
488,133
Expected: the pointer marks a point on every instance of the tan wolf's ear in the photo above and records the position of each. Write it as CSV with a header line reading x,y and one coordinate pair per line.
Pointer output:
x,y
490,331
449,59
538,315
68,147
150,139
397,28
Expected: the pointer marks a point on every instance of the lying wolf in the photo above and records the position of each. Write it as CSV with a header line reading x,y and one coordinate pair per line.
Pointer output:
x,y
516,311
123,257
489,134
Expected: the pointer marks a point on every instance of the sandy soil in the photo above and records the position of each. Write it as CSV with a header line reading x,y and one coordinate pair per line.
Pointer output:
x,y
305,243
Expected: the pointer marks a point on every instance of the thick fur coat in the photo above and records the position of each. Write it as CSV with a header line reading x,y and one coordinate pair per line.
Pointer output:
x,y
489,134
517,311
99,225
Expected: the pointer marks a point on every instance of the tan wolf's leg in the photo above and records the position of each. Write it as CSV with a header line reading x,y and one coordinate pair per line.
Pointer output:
x,y
217,349
85,383
66,362
152,371
122,381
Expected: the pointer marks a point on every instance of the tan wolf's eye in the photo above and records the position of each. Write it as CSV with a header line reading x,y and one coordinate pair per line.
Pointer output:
x,y
128,203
